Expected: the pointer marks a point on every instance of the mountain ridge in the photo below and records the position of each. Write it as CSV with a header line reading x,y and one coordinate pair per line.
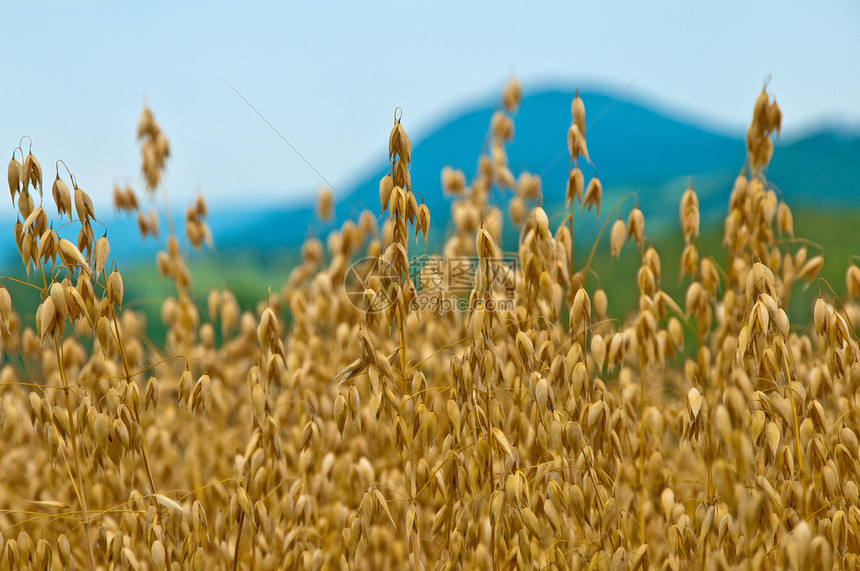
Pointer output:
x,y
637,149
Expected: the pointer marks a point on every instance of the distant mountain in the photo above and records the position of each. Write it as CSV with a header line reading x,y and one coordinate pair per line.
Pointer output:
x,y
630,144
820,169
634,148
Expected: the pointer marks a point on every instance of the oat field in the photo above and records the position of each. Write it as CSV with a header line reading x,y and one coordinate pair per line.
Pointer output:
x,y
395,408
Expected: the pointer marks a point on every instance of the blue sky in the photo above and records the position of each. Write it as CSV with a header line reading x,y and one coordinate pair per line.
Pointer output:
x,y
328,76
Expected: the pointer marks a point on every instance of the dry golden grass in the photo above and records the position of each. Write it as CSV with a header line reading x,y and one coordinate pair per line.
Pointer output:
x,y
527,430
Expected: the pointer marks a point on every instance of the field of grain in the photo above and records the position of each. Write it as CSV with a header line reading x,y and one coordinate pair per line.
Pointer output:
x,y
394,408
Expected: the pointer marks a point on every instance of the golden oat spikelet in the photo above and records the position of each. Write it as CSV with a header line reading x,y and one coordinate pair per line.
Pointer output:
x,y
130,199
575,187
453,181
32,173
689,214
576,143
83,206
528,185
325,203
784,219
852,281
146,124
517,208
593,195
14,175
423,222
512,95
617,236
386,187
115,288
340,413
774,118
62,197
636,226
100,255
502,128
577,112
71,256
